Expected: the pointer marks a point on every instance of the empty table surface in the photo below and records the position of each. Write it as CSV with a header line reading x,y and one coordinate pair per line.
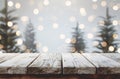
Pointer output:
x,y
60,63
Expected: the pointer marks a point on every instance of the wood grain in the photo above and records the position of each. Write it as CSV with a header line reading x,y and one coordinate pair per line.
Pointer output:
x,y
74,63
57,64
114,56
18,64
46,63
7,56
103,64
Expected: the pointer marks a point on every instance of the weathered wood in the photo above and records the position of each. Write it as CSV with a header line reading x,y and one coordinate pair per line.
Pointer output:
x,y
7,56
75,63
18,64
103,64
46,63
51,63
114,56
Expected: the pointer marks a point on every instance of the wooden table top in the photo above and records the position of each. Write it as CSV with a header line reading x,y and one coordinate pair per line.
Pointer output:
x,y
57,63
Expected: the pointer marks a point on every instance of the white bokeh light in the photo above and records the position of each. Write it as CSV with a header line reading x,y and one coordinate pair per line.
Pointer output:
x,y
90,35
18,33
83,12
115,7
68,3
10,24
55,25
103,3
115,36
24,18
94,0
118,50
19,41
115,22
64,22
81,26
36,11
104,44
46,2
18,5
62,36
111,48
10,3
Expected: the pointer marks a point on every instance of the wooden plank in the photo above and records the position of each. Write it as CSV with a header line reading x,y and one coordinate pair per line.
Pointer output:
x,y
75,63
103,64
18,64
7,56
46,63
114,56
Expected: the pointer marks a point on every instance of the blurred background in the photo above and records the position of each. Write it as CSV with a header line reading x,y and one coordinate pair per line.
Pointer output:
x,y
54,20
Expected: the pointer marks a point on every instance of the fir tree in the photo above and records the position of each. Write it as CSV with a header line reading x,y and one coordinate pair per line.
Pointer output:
x,y
77,42
30,39
106,35
8,37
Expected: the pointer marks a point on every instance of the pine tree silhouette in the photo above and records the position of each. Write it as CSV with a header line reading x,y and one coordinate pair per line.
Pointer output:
x,y
77,42
107,41
8,35
30,39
